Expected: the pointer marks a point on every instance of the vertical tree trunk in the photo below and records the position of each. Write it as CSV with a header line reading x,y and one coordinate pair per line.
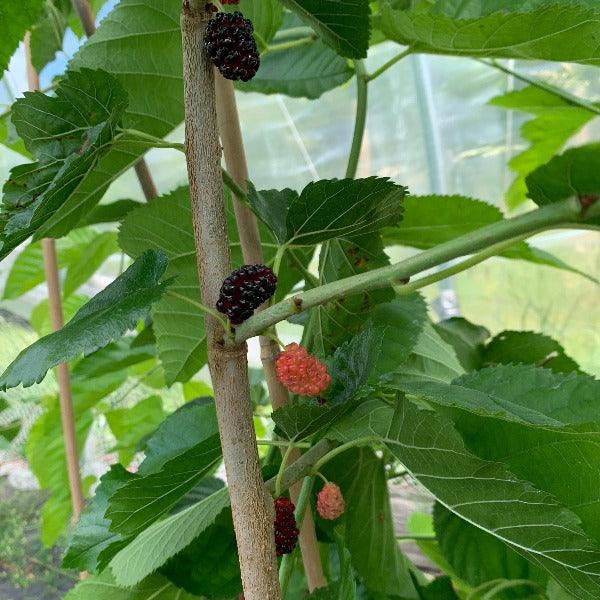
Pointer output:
x,y
235,159
251,506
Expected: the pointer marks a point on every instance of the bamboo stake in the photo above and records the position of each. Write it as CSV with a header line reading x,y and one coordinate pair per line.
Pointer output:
x,y
88,22
252,507
56,318
235,160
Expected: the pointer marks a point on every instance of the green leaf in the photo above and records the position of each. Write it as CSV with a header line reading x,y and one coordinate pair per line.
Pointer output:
x,y
556,121
440,588
266,17
111,213
342,24
192,423
166,225
520,393
432,220
142,501
68,134
163,540
40,314
481,491
344,588
574,173
143,41
421,524
118,356
45,452
300,421
403,320
432,359
329,209
91,544
552,31
530,348
306,71
89,261
369,532
272,207
573,453
16,19
47,34
335,322
466,338
131,425
27,270
9,137
565,398
353,363
209,566
107,316
477,556
103,587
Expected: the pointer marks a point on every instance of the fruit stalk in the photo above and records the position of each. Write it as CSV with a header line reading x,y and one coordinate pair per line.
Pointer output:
x,y
235,160
252,507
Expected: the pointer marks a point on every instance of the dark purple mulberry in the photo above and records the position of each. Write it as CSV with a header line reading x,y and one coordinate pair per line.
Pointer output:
x,y
244,291
286,532
231,46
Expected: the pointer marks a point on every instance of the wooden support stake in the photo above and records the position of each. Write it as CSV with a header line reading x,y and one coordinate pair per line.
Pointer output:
x,y
235,160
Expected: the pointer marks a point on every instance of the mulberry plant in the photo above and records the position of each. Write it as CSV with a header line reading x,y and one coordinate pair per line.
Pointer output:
x,y
357,376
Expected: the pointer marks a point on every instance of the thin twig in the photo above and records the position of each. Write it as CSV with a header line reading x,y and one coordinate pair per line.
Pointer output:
x,y
389,63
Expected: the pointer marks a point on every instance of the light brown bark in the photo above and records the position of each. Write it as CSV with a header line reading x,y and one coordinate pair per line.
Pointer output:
x,y
235,161
252,507
64,382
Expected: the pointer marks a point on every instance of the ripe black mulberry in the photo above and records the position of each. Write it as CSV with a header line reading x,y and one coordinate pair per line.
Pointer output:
x,y
231,46
286,531
245,290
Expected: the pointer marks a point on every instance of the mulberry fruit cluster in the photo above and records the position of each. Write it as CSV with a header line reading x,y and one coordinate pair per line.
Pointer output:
x,y
286,532
300,372
244,291
330,502
231,46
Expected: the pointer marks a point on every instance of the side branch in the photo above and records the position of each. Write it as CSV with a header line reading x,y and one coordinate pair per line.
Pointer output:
x,y
552,216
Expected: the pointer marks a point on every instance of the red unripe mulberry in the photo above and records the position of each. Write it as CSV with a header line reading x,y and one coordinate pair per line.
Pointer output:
x,y
330,502
286,532
300,372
